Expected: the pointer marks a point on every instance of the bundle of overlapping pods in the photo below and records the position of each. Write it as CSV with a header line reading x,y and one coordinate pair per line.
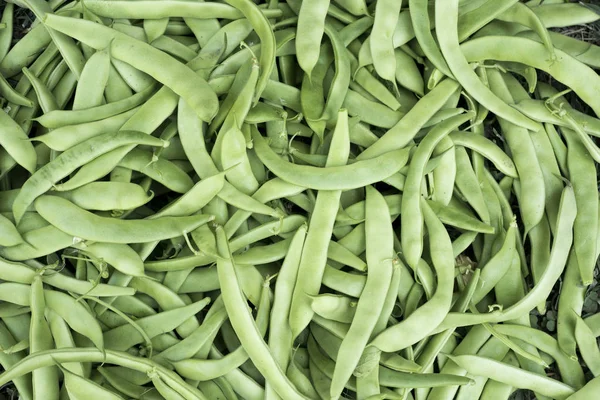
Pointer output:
x,y
297,200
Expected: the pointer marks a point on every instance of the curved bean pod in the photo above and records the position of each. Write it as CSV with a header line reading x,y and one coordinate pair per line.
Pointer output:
x,y
508,374
44,178
344,177
446,20
62,214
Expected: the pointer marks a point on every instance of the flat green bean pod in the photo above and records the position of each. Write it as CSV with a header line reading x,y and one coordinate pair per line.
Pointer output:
x,y
488,149
67,162
107,196
20,273
576,75
346,177
446,15
125,336
558,259
172,8
83,224
59,118
14,140
513,376
86,354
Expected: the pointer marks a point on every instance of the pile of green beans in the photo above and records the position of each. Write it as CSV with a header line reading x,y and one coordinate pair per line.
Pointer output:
x,y
292,200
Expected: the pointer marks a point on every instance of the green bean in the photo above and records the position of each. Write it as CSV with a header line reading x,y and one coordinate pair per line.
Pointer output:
x,y
245,326
334,307
159,169
75,314
581,171
563,69
123,385
93,227
14,141
126,336
314,254
382,46
194,199
90,88
280,333
495,269
356,7
67,47
107,196
265,33
173,8
521,147
389,340
6,35
521,14
446,14
234,159
122,257
155,28
10,234
488,149
438,342
67,162
166,299
570,302
589,389
412,218
203,100
241,89
192,345
116,88
311,26
20,273
420,21
407,73
38,242
372,85
79,387
344,177
343,282
65,137
404,131
513,376
367,110
286,225
587,53
397,379
550,13
570,369
52,357
372,298
312,90
10,94
59,118
25,51
210,369
341,80
189,125
558,257
165,390
8,359
537,110
473,20
443,176
299,376
494,349
45,380
8,310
